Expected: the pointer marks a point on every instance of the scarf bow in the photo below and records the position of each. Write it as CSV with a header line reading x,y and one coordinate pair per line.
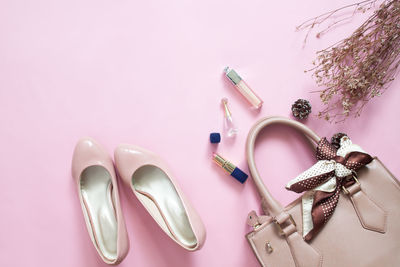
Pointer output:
x,y
324,180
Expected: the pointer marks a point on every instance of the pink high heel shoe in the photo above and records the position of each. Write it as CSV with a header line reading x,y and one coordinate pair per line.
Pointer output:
x,y
94,175
152,183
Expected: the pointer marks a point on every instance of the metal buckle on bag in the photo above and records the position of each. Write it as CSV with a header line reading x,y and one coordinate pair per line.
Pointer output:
x,y
280,226
355,179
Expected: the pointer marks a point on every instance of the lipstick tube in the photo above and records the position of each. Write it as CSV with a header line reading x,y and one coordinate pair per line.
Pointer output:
x,y
230,168
243,88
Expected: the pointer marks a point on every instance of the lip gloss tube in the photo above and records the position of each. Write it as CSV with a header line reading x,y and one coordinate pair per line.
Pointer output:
x,y
243,88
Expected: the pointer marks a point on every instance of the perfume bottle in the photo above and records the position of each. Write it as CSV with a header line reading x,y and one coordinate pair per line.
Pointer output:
x,y
243,88
229,126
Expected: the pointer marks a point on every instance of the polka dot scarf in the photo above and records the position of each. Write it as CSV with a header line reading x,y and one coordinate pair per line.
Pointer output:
x,y
324,180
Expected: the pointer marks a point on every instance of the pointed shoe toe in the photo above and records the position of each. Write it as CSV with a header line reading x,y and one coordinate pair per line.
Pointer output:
x,y
94,175
153,184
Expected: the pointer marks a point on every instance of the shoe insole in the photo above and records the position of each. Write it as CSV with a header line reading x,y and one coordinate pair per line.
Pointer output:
x,y
163,202
98,198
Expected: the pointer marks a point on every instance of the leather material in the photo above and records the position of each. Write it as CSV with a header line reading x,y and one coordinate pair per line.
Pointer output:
x,y
303,254
269,204
254,220
89,153
371,216
343,241
129,159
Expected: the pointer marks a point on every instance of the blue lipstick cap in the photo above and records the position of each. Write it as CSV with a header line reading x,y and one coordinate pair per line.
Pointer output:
x,y
239,175
215,138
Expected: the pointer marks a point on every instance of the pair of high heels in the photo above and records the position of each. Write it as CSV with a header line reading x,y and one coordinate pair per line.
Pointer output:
x,y
150,180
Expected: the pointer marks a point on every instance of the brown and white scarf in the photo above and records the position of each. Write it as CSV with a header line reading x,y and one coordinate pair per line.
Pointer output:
x,y
324,180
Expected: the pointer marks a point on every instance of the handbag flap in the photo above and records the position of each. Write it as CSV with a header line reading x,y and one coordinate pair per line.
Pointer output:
x,y
269,247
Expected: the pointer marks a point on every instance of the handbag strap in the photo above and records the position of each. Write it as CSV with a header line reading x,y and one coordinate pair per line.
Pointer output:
x,y
269,203
302,253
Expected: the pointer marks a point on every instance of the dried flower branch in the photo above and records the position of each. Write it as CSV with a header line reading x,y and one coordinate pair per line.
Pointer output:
x,y
309,24
360,67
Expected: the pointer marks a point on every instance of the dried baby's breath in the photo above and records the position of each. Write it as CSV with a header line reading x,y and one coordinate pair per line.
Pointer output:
x,y
360,67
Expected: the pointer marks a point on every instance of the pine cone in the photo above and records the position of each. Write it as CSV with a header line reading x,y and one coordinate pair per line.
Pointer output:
x,y
301,109
335,140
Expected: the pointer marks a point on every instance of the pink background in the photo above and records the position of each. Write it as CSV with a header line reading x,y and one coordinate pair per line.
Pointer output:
x,y
150,73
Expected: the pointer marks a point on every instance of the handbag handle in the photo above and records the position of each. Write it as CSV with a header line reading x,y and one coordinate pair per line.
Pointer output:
x,y
269,203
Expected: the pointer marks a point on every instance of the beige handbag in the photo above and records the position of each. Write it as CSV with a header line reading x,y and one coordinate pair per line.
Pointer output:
x,y
349,214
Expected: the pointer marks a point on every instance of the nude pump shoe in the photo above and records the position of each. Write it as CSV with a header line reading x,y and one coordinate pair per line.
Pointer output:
x,y
94,175
153,184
